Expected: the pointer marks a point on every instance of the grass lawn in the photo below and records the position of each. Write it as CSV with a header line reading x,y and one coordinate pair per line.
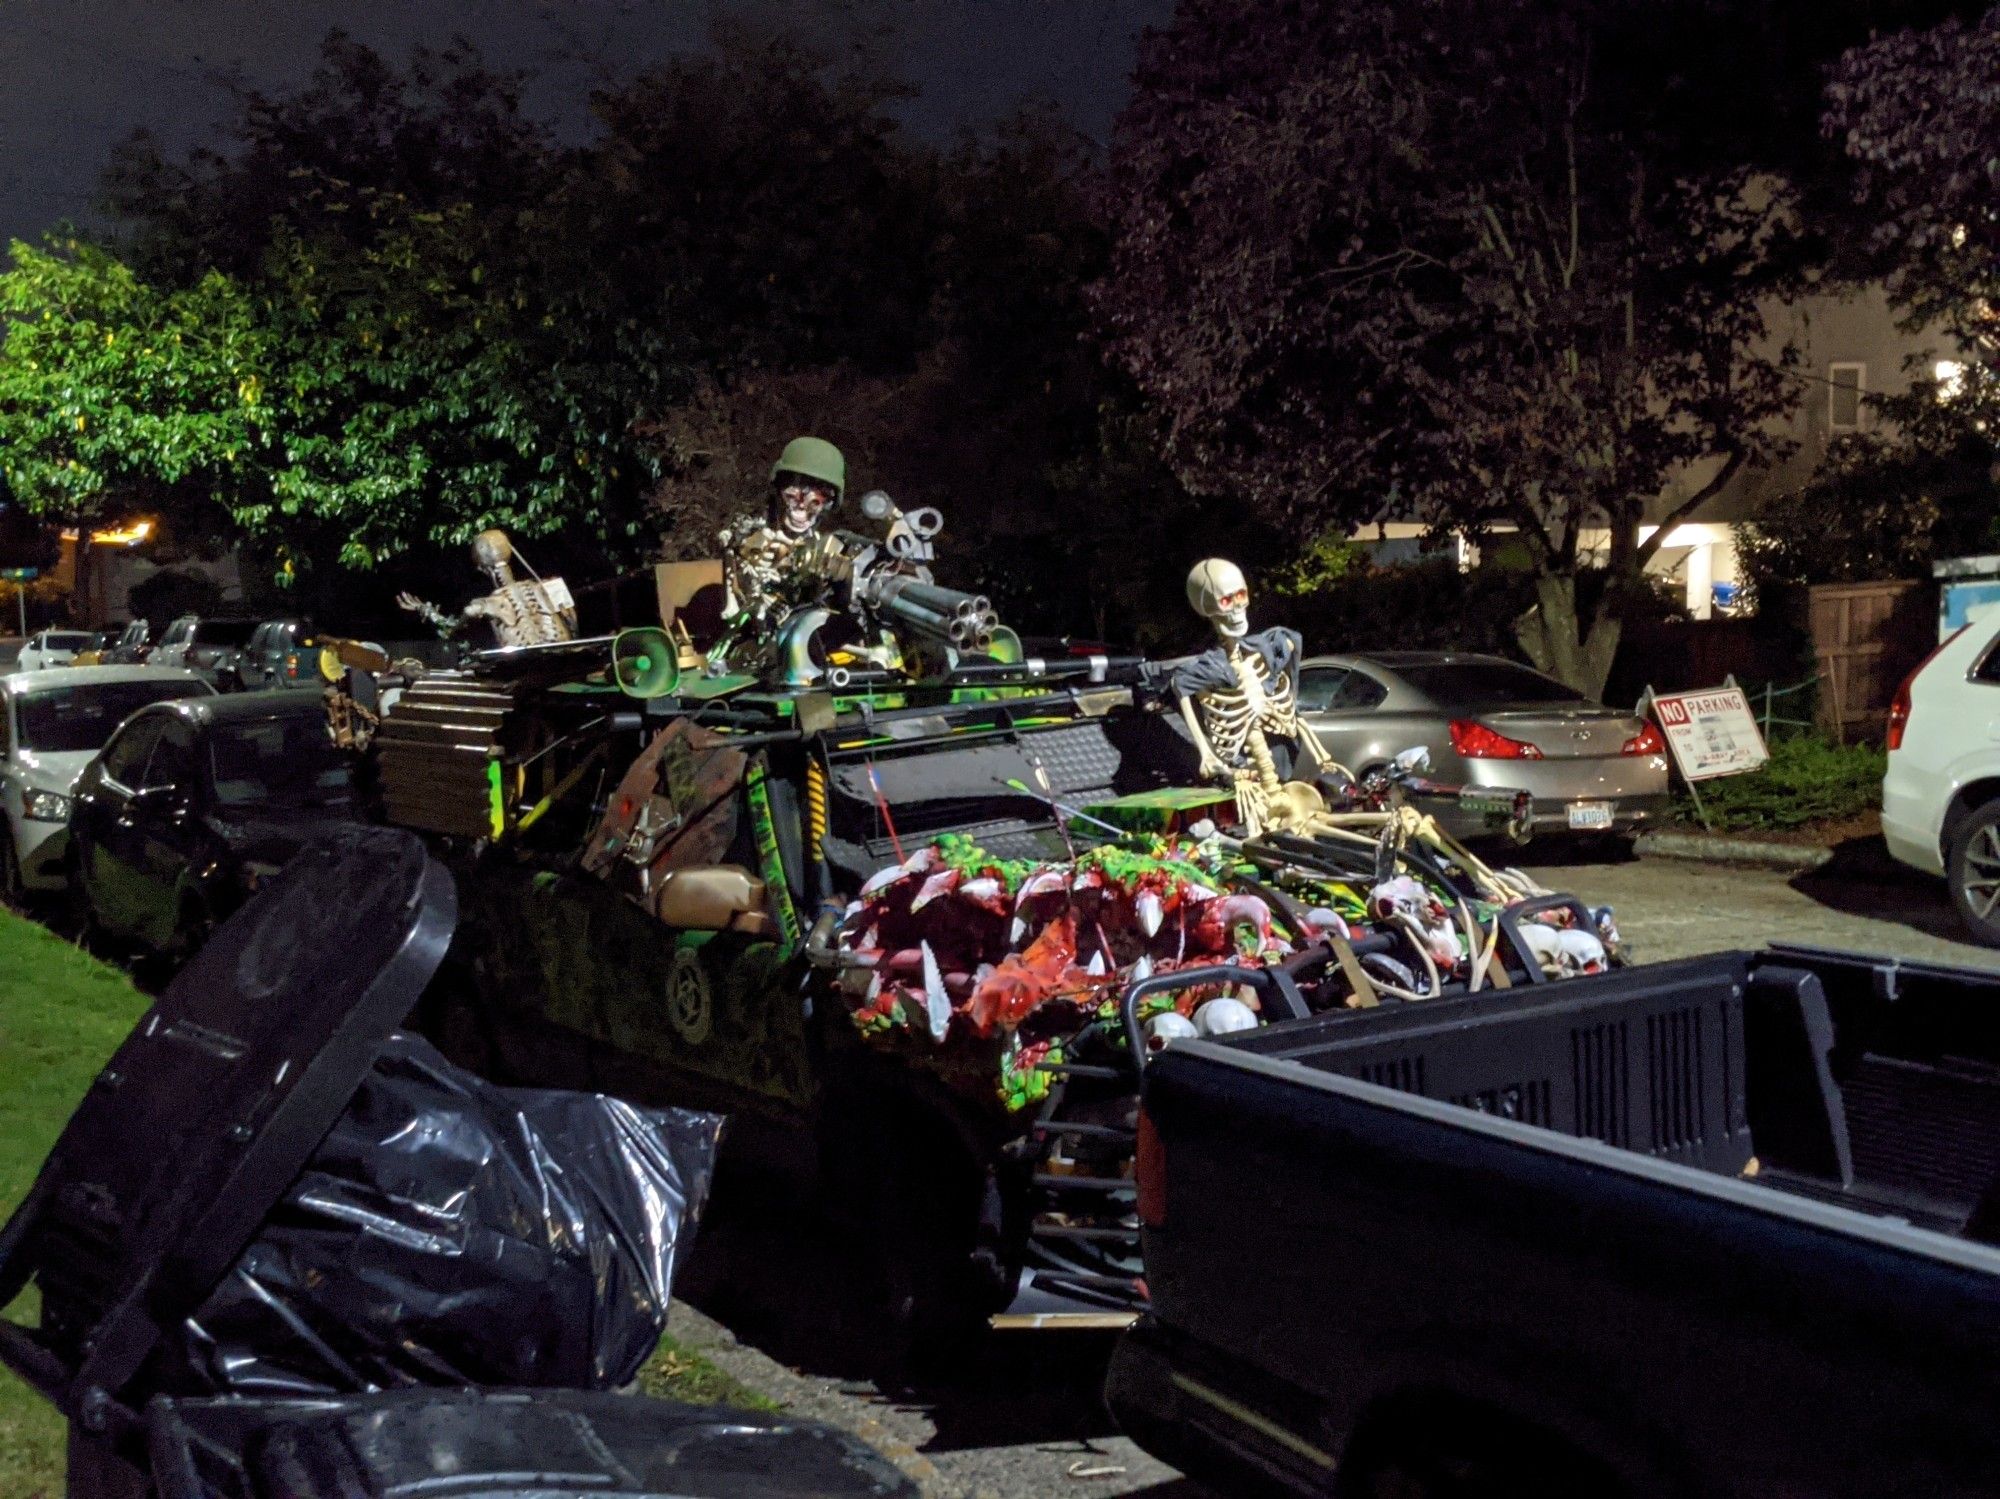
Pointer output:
x,y
62,1014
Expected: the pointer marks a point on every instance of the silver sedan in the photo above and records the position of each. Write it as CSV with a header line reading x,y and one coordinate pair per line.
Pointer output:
x,y
1490,723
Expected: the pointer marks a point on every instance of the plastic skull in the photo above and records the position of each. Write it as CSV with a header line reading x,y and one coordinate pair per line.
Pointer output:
x,y
1168,1026
801,500
1581,952
1544,942
1219,594
1221,1016
493,554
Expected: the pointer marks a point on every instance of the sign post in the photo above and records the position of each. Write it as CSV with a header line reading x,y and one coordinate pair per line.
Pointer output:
x,y
1710,732
21,577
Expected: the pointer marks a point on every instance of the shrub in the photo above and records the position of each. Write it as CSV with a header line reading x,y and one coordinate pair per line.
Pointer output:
x,y
1806,780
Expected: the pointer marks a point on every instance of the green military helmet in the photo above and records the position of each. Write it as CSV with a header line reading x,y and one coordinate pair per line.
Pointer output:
x,y
813,458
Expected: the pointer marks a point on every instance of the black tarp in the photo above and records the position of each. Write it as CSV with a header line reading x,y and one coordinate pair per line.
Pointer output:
x,y
503,1445
452,1232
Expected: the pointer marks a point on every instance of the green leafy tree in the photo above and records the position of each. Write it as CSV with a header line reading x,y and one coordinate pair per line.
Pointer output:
x,y
415,398
120,400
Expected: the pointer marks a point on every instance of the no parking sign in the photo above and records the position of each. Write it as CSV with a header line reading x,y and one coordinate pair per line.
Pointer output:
x,y
1710,733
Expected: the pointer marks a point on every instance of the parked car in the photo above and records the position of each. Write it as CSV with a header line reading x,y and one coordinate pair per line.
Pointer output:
x,y
192,804
47,648
52,722
133,645
1490,723
1941,795
212,646
94,654
282,653
1727,1226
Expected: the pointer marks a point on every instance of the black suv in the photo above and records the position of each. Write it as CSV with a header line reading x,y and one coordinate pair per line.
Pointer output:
x,y
192,805
212,646
282,653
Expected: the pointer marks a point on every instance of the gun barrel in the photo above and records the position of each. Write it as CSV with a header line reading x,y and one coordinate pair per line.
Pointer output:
x,y
947,600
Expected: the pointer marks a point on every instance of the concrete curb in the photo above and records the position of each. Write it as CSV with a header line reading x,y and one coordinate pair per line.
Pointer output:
x,y
892,1431
1731,851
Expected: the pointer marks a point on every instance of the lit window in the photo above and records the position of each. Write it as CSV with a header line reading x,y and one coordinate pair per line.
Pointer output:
x,y
1845,383
1950,377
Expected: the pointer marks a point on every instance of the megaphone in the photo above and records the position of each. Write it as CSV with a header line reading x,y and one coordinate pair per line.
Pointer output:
x,y
644,662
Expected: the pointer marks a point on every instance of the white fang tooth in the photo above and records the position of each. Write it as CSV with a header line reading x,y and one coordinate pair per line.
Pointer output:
x,y
1151,913
935,999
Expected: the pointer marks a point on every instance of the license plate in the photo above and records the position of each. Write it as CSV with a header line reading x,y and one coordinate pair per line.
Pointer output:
x,y
1584,815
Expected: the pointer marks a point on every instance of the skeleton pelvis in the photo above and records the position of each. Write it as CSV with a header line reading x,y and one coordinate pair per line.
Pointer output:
x,y
1295,804
1284,807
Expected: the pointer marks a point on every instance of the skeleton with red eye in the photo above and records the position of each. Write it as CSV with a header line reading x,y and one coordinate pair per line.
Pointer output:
x,y
1236,699
801,501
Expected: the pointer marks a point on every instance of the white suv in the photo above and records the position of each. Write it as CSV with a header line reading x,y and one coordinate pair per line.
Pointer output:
x,y
1941,797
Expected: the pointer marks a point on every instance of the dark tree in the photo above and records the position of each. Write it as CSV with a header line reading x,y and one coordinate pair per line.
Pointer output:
x,y
440,132
1426,259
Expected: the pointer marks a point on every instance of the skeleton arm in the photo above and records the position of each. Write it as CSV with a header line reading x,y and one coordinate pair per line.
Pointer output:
x,y
445,624
1212,767
1312,749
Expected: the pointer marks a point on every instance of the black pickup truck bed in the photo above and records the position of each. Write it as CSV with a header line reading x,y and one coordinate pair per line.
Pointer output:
x,y
1710,1227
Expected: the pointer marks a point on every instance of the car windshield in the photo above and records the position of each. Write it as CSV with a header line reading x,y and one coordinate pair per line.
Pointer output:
x,y
1486,684
61,720
65,640
224,631
278,761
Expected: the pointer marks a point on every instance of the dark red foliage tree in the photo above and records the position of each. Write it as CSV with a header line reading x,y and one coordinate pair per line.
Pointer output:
x,y
1426,259
1918,112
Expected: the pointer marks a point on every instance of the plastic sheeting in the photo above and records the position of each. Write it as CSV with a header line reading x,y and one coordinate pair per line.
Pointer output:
x,y
451,1232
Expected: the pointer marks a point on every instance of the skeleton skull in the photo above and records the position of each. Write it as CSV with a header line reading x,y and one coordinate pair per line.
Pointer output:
x,y
1220,595
493,554
800,501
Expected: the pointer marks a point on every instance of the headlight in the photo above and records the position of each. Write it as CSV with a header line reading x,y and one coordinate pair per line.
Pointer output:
x,y
46,806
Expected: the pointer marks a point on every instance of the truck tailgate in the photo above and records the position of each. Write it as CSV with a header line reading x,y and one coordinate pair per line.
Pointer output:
x,y
1570,1224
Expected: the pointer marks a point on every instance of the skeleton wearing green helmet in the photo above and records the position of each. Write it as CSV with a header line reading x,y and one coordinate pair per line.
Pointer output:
x,y
766,558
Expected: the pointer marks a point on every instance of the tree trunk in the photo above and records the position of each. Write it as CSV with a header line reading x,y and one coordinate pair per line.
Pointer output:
x,y
83,606
1557,640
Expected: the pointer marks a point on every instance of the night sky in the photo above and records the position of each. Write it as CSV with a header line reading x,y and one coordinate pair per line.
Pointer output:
x,y
76,76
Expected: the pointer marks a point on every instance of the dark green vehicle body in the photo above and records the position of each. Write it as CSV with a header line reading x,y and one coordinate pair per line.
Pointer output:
x,y
564,979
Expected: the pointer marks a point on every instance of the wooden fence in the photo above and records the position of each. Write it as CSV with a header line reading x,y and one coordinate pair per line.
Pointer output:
x,y
1866,638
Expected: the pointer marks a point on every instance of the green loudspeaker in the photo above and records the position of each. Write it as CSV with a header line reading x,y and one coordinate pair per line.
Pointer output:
x,y
644,662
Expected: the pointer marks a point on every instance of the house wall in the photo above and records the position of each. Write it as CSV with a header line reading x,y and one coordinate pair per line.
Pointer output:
x,y
1833,332
115,569
1854,326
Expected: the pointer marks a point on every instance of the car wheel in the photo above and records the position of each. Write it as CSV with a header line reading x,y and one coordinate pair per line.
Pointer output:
x,y
91,933
192,931
1972,866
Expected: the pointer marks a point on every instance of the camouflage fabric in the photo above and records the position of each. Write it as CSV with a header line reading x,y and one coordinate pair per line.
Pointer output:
x,y
676,807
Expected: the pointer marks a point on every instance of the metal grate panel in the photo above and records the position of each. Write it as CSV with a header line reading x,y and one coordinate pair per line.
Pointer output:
x,y
1601,1085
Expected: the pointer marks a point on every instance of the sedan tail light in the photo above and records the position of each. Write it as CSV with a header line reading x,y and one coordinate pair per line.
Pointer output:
x,y
1646,742
1899,705
1477,742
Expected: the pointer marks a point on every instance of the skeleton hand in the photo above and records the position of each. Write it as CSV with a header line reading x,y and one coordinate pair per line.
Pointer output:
x,y
409,601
